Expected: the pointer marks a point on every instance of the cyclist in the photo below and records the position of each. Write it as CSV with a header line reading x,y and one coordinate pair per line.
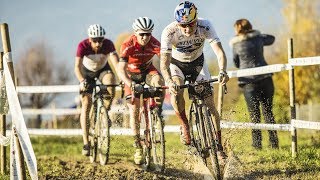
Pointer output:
x,y
136,67
182,44
91,62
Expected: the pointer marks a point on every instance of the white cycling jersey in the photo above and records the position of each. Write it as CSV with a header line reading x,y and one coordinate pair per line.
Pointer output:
x,y
183,48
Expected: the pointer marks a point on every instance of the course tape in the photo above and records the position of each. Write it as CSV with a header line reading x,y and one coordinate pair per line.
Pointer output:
x,y
18,121
4,141
176,128
306,61
305,124
63,111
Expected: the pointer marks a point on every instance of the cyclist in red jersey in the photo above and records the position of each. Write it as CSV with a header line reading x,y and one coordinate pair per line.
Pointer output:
x,y
135,67
91,62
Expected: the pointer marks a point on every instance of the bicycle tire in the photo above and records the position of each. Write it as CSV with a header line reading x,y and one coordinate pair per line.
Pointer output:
x,y
146,141
158,140
103,130
211,143
92,135
202,135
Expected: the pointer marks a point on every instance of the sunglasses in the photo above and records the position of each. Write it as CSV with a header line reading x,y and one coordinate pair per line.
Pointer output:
x,y
188,25
97,40
144,34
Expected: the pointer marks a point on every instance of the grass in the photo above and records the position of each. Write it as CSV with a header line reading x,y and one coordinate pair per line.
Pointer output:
x,y
255,164
278,163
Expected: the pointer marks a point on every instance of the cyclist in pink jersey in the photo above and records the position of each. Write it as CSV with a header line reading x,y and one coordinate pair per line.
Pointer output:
x,y
136,67
91,63
182,59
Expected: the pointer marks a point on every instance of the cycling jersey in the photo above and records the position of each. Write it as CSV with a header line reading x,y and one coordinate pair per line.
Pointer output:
x,y
95,61
183,48
139,58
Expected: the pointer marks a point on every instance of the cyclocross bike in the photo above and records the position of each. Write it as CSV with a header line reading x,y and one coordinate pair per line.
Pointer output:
x,y
202,129
99,128
153,140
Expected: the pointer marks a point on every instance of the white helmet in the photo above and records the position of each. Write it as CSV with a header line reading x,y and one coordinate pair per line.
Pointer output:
x,y
143,24
96,31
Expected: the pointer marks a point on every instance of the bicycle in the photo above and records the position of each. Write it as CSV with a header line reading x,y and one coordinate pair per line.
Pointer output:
x,y
99,128
154,139
203,134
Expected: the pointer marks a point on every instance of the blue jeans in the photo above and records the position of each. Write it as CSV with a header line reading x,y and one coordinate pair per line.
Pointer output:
x,y
256,94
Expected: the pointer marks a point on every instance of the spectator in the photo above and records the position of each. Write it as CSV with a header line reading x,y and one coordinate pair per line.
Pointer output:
x,y
258,90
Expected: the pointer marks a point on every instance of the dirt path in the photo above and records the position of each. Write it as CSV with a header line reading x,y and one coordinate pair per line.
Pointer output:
x,y
65,168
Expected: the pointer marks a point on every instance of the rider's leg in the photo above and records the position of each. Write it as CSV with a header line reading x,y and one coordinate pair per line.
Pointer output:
x,y
135,126
157,81
84,120
107,77
178,104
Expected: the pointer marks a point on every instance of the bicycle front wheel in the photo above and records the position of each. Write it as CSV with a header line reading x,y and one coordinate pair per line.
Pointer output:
x,y
211,144
103,136
92,134
158,141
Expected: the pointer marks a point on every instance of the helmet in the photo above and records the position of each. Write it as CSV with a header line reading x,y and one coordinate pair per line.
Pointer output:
x,y
96,31
185,12
143,24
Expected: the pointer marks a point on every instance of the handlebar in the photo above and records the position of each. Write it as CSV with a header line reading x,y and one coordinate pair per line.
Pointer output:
x,y
198,83
204,82
150,91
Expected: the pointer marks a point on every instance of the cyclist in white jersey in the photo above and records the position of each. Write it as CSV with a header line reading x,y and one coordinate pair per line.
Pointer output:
x,y
92,62
182,44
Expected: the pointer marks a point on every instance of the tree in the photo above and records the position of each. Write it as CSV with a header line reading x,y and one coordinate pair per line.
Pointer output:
x,y
301,24
38,67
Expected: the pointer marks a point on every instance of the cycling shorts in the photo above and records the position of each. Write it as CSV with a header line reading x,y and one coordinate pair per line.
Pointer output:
x,y
144,77
90,76
191,71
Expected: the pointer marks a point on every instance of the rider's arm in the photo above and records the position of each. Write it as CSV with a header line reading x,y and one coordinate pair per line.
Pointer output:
x,y
114,59
77,68
165,59
222,59
122,66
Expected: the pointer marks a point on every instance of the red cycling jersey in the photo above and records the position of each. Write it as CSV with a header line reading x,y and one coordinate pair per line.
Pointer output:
x,y
139,58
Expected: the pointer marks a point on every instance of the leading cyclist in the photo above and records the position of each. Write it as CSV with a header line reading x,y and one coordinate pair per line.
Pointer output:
x,y
136,67
182,44
91,62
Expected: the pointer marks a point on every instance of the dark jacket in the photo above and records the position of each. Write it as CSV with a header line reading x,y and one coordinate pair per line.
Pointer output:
x,y
248,53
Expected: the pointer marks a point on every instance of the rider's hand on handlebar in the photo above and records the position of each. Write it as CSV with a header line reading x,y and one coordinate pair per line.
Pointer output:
x,y
173,87
223,77
84,85
137,88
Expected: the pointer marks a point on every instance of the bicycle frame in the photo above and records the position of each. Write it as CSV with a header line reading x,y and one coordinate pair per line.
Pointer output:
x,y
149,108
204,138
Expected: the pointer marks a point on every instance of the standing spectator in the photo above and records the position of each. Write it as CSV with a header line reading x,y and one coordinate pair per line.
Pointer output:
x,y
258,90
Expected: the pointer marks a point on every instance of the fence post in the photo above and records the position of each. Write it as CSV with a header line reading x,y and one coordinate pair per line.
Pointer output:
x,y
3,161
7,49
294,142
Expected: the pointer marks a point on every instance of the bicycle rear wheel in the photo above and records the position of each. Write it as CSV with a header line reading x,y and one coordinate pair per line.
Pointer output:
x,y
92,135
211,144
158,140
103,136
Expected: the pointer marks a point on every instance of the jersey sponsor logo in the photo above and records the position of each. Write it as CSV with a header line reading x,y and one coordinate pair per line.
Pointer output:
x,y
191,42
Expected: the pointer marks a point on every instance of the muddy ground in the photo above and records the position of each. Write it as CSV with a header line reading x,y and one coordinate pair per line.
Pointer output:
x,y
184,167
